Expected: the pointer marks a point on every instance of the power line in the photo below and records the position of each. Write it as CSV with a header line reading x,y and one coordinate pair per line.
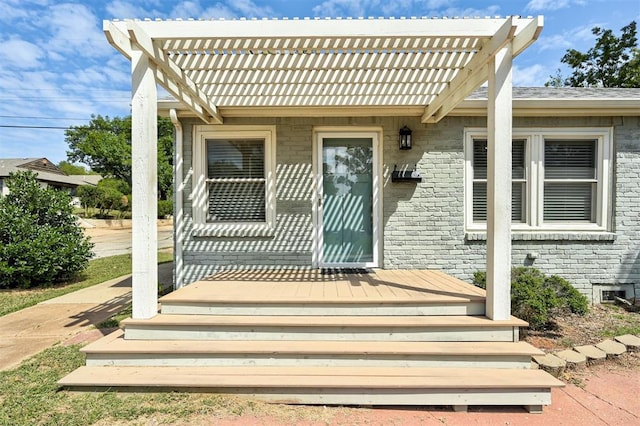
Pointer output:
x,y
33,127
43,118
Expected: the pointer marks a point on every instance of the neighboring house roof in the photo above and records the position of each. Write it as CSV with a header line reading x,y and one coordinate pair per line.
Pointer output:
x,y
87,179
46,170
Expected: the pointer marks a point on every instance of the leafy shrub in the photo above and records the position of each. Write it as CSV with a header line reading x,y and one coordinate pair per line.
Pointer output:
x,y
165,208
40,241
536,298
570,298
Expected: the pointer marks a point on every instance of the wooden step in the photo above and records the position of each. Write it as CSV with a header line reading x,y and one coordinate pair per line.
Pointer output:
x,y
115,350
333,385
338,308
349,328
309,292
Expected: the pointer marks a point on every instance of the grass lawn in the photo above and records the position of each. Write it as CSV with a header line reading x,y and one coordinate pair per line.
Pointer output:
x,y
29,395
99,270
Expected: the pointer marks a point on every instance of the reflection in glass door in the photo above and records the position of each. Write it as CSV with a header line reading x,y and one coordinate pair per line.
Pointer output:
x,y
347,201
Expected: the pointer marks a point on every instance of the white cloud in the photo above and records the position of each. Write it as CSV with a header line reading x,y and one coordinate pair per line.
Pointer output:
x,y
250,9
9,11
228,10
120,9
20,54
553,42
534,75
187,9
491,10
340,8
550,5
567,39
75,31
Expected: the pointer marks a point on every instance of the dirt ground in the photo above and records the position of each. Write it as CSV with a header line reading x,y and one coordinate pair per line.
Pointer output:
x,y
601,322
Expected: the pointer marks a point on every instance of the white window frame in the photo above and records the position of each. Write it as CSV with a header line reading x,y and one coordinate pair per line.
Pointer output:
x,y
534,173
199,191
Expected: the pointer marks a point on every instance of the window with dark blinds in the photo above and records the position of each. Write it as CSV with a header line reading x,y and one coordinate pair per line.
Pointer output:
x,y
518,188
561,179
570,180
236,181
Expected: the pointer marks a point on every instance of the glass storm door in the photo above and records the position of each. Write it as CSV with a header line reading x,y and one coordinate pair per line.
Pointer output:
x,y
347,202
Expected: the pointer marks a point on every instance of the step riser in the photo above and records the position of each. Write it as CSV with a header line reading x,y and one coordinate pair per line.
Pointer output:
x,y
360,334
385,397
400,396
386,309
335,360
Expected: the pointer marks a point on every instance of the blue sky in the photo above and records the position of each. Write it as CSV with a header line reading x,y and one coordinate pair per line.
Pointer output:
x,y
57,69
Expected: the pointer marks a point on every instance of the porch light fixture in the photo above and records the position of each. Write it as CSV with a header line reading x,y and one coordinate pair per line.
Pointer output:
x,y
405,138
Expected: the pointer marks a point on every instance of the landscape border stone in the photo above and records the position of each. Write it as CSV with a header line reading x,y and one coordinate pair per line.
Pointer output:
x,y
572,358
611,348
631,342
593,354
551,364
555,363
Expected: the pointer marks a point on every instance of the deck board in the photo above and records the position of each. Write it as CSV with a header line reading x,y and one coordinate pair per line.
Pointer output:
x,y
400,286
312,377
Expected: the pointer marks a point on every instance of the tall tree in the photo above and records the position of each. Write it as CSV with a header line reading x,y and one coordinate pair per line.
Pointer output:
x,y
105,146
612,62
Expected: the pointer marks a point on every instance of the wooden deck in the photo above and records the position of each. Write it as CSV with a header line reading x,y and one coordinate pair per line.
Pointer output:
x,y
296,286
372,337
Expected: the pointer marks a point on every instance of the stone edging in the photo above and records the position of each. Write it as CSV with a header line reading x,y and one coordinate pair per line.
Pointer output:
x,y
556,363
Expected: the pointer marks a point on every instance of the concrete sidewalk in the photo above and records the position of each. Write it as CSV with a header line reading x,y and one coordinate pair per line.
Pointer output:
x,y
31,330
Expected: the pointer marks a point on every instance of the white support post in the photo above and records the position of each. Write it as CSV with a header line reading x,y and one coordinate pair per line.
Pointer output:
x,y
144,159
499,123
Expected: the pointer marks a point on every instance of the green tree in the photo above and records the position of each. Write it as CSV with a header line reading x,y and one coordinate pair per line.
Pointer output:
x,y
88,195
40,241
72,169
105,146
612,62
111,195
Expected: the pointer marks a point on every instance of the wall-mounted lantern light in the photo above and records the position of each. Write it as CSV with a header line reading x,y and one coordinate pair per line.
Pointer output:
x,y
405,138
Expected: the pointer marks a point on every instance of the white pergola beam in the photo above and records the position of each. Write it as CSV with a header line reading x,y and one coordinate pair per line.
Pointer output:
x,y
139,37
320,28
499,181
527,35
144,166
178,92
470,77
117,38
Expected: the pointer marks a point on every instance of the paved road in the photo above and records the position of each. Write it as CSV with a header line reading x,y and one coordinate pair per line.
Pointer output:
x,y
112,241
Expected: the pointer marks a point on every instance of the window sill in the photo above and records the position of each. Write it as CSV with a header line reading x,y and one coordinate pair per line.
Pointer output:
x,y
236,231
548,236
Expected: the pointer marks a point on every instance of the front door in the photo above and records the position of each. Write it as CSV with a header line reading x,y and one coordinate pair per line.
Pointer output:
x,y
347,214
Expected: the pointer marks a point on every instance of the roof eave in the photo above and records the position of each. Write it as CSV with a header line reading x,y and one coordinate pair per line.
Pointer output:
x,y
524,107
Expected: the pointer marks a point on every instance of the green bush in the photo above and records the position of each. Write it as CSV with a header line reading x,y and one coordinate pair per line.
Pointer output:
x,y
570,298
165,208
536,298
40,241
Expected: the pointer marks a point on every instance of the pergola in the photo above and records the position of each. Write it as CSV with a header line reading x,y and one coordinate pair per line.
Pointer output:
x,y
322,67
